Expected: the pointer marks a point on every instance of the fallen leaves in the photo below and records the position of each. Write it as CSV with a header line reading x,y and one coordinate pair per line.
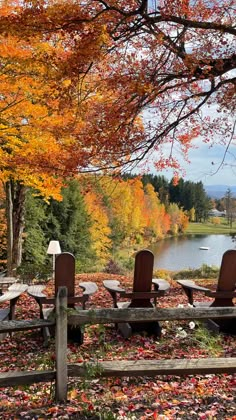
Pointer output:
x,y
165,397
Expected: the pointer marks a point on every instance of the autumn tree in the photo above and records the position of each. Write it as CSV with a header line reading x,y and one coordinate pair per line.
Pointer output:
x,y
158,221
50,116
3,231
178,219
99,229
183,68
78,61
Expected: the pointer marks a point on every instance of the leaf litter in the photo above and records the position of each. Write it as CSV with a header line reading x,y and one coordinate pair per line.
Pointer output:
x,y
161,397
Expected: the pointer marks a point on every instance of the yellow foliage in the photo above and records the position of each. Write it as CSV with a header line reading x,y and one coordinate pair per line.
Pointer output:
x,y
99,230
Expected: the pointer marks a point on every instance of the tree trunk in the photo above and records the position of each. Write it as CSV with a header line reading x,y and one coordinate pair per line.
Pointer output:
x,y
15,210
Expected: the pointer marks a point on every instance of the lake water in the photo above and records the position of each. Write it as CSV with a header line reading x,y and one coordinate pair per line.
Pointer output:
x,y
183,252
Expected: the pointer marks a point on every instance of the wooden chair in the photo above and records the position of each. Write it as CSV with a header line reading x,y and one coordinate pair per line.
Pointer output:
x,y
64,276
223,295
142,295
12,295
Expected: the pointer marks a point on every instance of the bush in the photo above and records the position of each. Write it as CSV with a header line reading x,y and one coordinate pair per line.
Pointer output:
x,y
205,271
113,267
29,272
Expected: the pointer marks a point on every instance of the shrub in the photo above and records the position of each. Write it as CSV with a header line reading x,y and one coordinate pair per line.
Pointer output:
x,y
205,271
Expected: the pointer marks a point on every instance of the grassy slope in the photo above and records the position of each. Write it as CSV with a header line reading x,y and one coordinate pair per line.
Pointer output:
x,y
210,228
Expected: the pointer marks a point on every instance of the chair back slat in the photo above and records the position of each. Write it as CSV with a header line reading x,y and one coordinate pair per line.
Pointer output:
x,y
143,271
227,275
65,273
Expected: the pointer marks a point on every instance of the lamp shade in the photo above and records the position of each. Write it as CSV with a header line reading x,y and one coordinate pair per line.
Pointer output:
x,y
54,248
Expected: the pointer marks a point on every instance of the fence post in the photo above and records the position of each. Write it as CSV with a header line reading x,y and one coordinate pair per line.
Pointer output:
x,y
61,344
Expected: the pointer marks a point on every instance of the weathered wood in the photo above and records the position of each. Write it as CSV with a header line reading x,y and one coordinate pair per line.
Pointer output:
x,y
161,284
115,368
156,367
13,292
14,378
115,315
88,287
21,325
190,284
61,344
36,290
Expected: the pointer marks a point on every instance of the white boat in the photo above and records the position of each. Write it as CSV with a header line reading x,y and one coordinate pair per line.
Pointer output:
x,y
204,247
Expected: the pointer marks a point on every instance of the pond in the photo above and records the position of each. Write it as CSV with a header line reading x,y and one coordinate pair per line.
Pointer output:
x,y
184,252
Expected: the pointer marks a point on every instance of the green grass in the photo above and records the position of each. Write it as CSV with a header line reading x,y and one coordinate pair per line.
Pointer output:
x,y
210,228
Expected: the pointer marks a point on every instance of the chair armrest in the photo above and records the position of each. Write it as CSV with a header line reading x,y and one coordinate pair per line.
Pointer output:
x,y
190,284
88,287
113,286
21,287
36,291
14,291
161,285
13,294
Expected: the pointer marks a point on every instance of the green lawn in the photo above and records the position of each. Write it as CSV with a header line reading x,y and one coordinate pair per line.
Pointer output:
x,y
210,228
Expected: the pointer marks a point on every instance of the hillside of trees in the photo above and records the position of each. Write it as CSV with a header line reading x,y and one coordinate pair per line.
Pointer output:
x,y
99,215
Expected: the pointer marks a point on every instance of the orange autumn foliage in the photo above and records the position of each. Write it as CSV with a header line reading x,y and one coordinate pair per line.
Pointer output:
x,y
134,214
179,69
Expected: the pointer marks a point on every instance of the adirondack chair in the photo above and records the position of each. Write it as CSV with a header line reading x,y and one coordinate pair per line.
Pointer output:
x,y
142,295
64,276
223,295
11,295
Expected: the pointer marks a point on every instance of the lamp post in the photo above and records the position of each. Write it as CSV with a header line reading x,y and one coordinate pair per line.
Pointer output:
x,y
53,249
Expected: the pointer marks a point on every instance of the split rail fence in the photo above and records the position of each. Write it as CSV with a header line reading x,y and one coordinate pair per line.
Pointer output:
x,y
114,368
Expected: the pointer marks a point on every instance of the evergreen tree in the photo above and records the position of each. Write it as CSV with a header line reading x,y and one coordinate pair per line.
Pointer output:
x,y
69,223
35,261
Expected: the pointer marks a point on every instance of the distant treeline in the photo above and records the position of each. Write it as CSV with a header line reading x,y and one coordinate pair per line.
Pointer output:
x,y
186,194
99,215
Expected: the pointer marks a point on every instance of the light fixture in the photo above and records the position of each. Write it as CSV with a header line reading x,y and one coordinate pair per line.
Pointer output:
x,y
53,249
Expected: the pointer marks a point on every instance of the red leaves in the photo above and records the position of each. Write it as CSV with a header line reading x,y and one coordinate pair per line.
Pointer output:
x,y
196,397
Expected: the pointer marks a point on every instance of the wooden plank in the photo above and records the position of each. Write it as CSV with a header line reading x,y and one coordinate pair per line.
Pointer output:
x,y
20,325
115,315
13,378
88,287
178,367
61,345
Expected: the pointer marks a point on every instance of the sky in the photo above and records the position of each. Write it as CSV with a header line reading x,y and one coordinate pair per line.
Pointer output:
x,y
214,165
206,166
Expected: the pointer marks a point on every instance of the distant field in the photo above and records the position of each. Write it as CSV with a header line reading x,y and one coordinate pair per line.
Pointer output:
x,y
211,228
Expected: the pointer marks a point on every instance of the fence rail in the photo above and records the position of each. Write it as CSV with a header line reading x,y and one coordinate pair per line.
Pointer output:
x,y
114,368
115,315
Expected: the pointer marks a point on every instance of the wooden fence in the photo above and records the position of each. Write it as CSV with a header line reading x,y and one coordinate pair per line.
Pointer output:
x,y
114,368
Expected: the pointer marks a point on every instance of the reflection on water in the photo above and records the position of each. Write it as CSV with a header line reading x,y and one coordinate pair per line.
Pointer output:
x,y
183,252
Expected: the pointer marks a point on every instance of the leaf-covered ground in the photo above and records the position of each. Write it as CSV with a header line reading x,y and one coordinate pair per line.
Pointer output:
x,y
163,397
